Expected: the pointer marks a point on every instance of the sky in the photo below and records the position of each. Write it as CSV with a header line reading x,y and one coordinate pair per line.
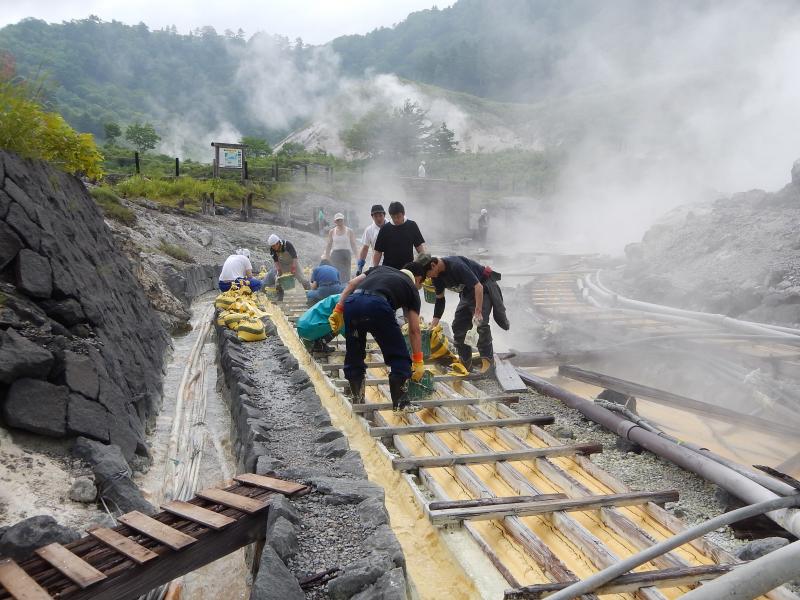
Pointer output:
x,y
316,21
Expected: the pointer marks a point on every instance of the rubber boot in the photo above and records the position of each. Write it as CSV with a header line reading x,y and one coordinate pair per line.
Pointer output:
x,y
400,401
465,355
279,294
357,390
484,366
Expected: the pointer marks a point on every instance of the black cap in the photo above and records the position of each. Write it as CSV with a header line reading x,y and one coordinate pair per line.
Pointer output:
x,y
376,208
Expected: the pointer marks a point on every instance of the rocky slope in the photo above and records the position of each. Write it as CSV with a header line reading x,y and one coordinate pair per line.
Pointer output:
x,y
738,256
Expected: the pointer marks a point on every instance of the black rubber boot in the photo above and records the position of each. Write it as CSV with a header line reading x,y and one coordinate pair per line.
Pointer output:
x,y
400,401
279,294
357,390
465,355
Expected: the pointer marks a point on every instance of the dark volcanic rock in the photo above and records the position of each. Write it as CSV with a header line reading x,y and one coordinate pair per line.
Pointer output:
x,y
274,581
80,374
37,406
86,417
10,245
358,575
34,275
68,312
20,540
19,357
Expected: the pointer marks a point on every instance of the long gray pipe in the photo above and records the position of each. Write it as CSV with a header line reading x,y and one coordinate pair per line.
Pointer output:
x,y
754,578
721,320
593,582
735,483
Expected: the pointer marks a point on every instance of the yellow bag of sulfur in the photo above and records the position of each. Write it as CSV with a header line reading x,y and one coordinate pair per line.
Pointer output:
x,y
251,329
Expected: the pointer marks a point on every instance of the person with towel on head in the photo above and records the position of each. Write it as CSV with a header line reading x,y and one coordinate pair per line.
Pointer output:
x,y
285,258
341,240
324,282
483,225
238,269
368,305
479,297
421,169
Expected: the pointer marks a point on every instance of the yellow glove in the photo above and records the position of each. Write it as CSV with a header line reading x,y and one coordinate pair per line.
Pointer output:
x,y
336,320
417,367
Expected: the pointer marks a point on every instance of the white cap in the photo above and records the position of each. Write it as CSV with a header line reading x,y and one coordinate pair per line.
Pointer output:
x,y
338,216
243,252
422,162
484,211
410,275
273,239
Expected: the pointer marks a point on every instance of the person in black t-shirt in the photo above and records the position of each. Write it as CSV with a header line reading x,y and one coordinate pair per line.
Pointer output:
x,y
367,305
397,240
479,296
285,258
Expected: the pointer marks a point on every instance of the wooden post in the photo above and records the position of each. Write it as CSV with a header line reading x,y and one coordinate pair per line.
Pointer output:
x,y
275,167
177,167
136,161
212,204
249,207
305,172
244,170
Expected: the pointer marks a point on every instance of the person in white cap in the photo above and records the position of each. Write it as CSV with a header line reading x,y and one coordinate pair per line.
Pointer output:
x,y
238,269
367,305
341,247
285,258
483,225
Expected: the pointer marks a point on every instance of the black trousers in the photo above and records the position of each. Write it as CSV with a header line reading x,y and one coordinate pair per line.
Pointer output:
x,y
462,323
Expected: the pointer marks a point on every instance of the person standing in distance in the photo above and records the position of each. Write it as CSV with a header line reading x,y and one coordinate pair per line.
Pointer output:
x,y
483,225
397,241
341,240
370,235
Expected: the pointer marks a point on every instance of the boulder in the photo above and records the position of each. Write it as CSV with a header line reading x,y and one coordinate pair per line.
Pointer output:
x,y
34,275
10,245
68,311
282,538
346,491
327,434
37,406
279,506
83,490
338,447
372,513
86,417
383,541
391,586
80,374
20,357
274,580
20,540
358,575
758,548
28,232
268,465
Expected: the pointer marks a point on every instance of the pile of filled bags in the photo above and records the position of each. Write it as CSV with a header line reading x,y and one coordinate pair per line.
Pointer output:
x,y
242,311
436,346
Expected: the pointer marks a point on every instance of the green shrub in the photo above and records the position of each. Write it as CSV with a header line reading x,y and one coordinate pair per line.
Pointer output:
x,y
25,128
175,251
108,201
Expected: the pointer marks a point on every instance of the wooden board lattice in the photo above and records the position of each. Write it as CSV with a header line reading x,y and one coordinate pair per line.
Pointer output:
x,y
157,530
124,545
242,503
288,488
19,584
77,569
198,514
460,426
403,464
507,376
436,403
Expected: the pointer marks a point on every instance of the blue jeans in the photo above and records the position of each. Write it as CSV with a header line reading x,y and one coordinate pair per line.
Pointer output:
x,y
322,292
373,314
255,284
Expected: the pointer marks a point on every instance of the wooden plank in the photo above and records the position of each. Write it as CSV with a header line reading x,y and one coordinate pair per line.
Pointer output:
x,y
442,504
460,426
705,409
405,464
198,514
75,568
132,583
124,545
172,538
19,584
436,378
630,582
527,509
507,376
242,503
287,488
438,402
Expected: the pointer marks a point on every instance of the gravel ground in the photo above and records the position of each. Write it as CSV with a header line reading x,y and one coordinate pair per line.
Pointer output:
x,y
329,535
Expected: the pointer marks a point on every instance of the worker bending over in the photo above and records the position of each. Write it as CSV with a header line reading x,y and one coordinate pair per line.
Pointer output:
x,y
285,258
324,282
238,269
367,305
479,296
370,235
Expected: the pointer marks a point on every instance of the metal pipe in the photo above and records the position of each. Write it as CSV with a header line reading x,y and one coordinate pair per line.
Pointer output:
x,y
735,483
754,578
593,582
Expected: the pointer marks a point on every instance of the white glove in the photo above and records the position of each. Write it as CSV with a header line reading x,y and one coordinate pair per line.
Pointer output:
x,y
477,320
